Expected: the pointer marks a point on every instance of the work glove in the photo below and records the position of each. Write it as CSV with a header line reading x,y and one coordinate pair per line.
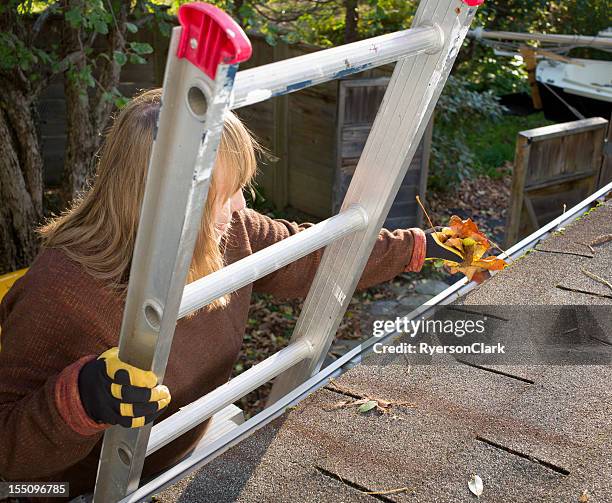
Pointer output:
x,y
434,250
114,392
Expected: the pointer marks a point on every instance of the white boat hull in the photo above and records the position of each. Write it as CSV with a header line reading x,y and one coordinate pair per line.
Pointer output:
x,y
588,78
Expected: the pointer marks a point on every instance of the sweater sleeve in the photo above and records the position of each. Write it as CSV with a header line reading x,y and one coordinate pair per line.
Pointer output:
x,y
38,387
394,252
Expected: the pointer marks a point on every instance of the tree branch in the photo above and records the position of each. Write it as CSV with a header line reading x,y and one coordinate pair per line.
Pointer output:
x,y
111,70
46,75
41,20
278,17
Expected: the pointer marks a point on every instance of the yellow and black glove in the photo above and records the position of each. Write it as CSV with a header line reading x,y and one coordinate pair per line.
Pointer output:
x,y
114,392
434,250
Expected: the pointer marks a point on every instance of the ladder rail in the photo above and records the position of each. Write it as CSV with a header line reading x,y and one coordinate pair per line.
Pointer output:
x,y
407,105
282,77
261,263
178,178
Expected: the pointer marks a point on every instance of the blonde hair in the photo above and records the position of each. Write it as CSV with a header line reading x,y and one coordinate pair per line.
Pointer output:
x,y
99,229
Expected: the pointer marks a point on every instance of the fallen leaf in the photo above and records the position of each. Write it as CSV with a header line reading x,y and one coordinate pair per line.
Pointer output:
x,y
476,486
366,403
584,497
463,238
369,405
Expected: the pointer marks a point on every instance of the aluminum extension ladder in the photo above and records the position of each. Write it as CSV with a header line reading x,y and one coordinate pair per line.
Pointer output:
x,y
201,84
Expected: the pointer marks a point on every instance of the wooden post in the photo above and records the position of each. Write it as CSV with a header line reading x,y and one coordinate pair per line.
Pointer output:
x,y
280,144
519,173
605,175
426,146
529,57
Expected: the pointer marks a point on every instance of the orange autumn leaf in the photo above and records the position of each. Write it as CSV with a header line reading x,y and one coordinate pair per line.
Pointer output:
x,y
463,238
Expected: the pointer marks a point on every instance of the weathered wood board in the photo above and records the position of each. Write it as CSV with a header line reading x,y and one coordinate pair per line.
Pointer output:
x,y
555,167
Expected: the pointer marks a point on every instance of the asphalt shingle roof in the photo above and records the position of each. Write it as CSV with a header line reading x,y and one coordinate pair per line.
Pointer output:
x,y
532,432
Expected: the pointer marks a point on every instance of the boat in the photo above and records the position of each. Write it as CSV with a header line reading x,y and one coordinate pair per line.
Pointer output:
x,y
582,84
570,88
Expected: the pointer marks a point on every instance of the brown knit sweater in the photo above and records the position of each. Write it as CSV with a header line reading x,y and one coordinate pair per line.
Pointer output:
x,y
58,314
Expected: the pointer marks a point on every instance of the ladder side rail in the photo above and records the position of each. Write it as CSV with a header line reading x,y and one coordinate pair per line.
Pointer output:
x,y
401,120
183,155
282,77
261,263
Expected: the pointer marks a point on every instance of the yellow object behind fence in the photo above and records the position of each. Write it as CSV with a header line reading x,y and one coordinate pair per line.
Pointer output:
x,y
6,282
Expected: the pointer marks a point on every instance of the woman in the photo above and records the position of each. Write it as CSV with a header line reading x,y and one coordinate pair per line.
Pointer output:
x,y
61,382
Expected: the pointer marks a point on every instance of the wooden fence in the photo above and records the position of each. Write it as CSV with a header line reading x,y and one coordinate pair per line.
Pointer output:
x,y
301,130
555,167
307,131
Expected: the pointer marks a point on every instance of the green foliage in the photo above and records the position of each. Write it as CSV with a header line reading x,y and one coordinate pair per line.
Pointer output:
x,y
91,16
17,55
116,97
22,54
120,58
459,110
478,147
487,71
385,16
493,142
580,16
141,48
297,21
14,53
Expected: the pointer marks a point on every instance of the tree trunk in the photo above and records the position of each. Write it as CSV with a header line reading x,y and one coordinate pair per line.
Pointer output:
x,y
20,182
236,10
87,112
81,141
350,21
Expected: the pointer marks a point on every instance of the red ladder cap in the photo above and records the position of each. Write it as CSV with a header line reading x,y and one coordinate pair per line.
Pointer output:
x,y
210,37
474,3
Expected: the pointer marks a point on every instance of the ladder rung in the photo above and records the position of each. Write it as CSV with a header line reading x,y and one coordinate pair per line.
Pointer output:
x,y
283,77
259,264
203,408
